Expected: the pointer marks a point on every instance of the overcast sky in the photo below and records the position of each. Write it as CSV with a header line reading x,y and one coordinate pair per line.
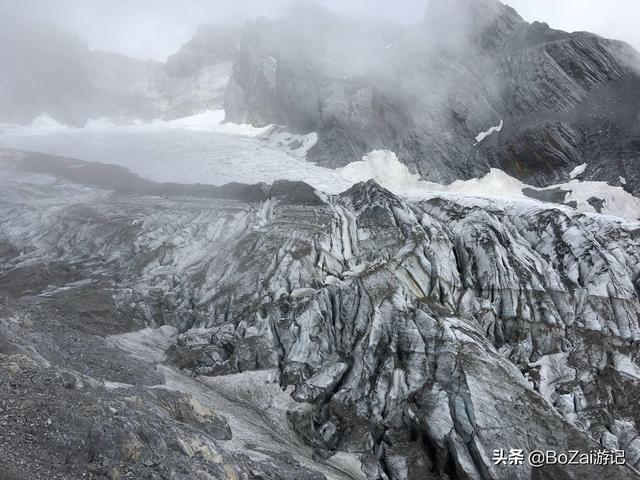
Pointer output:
x,y
156,28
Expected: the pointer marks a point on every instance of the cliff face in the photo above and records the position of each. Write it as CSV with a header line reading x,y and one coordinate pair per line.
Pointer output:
x,y
44,70
428,90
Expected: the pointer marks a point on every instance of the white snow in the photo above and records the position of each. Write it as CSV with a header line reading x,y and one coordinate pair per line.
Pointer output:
x,y
207,121
196,149
211,121
617,201
385,168
203,149
44,123
553,370
626,366
579,170
481,136
117,385
496,183
623,180
382,166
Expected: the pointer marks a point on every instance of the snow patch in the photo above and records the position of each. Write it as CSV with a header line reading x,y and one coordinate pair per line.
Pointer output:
x,y
579,170
616,201
382,166
212,121
553,370
626,366
481,136
623,180
496,183
207,121
117,385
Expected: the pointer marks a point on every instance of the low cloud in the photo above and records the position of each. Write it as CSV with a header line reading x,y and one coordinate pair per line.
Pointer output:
x,y
156,28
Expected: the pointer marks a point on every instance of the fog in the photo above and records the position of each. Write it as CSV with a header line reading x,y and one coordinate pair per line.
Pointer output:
x,y
156,28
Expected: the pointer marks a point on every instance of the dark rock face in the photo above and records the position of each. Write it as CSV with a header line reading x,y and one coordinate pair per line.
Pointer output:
x,y
416,336
427,91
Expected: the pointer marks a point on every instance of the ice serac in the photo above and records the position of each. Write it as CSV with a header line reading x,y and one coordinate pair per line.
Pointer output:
x,y
425,91
418,336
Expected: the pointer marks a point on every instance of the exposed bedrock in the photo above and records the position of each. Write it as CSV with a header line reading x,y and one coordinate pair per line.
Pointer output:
x,y
45,70
428,90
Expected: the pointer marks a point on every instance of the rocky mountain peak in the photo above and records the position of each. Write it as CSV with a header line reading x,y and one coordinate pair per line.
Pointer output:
x,y
427,92
471,23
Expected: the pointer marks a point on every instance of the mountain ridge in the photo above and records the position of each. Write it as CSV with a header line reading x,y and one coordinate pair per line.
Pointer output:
x,y
427,93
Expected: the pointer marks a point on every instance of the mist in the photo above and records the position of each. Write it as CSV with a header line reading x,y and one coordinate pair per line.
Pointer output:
x,y
335,239
157,28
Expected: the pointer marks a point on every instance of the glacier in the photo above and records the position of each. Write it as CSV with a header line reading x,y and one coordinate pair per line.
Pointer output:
x,y
204,149
287,253
366,317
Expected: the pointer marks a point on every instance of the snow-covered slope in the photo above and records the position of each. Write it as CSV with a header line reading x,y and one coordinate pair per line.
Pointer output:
x,y
196,149
204,149
471,86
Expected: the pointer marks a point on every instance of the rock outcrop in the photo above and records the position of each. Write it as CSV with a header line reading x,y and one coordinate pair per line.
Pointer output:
x,y
428,91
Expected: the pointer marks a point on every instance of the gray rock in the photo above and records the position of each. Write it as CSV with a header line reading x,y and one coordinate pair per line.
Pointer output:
x,y
416,336
427,91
